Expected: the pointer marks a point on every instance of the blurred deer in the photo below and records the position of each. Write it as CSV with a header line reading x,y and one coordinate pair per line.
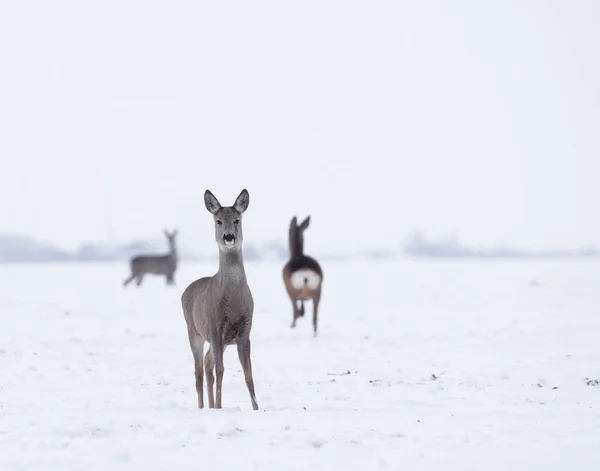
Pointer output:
x,y
302,274
219,309
165,265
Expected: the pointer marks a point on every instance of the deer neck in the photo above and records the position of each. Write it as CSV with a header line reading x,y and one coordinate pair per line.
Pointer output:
x,y
231,267
296,247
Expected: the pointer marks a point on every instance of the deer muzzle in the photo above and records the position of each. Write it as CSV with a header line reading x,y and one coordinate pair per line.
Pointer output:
x,y
229,239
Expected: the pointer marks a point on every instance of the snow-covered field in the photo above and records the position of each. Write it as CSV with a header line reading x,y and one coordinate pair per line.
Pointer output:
x,y
477,365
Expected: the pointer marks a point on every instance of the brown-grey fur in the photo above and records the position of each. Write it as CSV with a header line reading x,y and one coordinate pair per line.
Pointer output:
x,y
219,309
300,261
165,265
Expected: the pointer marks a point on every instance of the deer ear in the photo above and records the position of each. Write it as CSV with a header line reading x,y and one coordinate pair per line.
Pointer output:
x,y
212,203
305,223
294,222
165,232
242,201
175,232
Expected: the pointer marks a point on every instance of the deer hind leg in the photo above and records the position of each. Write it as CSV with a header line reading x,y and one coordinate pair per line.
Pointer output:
x,y
316,299
139,279
209,366
296,311
197,345
128,280
243,347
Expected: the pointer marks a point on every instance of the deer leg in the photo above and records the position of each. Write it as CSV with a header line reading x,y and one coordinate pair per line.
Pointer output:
x,y
197,345
316,300
244,355
139,279
219,370
295,308
128,280
209,366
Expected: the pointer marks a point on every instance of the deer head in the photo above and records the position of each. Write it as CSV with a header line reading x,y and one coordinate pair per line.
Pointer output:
x,y
228,219
297,236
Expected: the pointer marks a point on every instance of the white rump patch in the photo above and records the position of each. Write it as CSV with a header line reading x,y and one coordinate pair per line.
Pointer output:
x,y
305,278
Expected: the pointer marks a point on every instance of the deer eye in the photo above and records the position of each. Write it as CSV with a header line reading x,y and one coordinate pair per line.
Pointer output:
x,y
236,222
219,222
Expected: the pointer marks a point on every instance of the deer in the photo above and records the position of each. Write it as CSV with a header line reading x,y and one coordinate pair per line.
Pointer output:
x,y
166,265
302,275
219,309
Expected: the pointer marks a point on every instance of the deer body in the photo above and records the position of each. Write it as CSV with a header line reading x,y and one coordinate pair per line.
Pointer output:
x,y
165,265
219,309
302,275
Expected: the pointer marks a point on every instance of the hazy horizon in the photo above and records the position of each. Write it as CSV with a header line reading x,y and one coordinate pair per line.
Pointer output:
x,y
376,118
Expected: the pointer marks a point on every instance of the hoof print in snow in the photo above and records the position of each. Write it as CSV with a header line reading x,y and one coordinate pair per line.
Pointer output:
x,y
316,443
592,382
433,377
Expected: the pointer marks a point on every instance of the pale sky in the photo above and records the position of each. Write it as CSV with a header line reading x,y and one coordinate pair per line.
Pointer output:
x,y
377,118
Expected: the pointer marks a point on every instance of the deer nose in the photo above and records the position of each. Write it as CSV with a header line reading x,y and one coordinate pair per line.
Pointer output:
x,y
228,237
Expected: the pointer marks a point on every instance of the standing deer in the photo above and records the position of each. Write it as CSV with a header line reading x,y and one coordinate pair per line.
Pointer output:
x,y
302,274
219,309
166,265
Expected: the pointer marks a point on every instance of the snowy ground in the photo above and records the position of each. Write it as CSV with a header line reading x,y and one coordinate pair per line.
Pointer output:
x,y
97,377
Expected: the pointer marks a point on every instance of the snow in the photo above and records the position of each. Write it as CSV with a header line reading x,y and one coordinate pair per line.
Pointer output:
x,y
419,365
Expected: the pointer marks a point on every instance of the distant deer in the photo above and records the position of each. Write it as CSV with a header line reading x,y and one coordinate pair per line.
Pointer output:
x,y
155,264
302,274
219,309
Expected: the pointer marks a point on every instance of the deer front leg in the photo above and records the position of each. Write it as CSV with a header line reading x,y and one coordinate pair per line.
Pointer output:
x,y
217,347
170,280
244,355
209,366
197,345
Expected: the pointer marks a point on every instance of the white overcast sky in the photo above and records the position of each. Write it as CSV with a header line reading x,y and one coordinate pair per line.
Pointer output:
x,y
475,118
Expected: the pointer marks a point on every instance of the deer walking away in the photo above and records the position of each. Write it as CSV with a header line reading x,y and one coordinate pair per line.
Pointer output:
x,y
165,265
219,309
302,275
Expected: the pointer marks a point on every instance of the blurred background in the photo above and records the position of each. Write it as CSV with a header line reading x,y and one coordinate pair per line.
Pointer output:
x,y
423,128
